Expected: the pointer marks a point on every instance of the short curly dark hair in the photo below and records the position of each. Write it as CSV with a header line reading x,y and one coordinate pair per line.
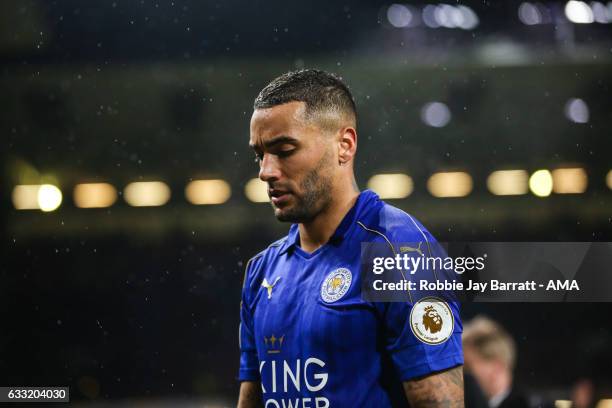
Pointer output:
x,y
319,90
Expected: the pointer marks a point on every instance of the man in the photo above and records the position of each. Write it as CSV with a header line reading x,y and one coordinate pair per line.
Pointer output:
x,y
490,355
307,337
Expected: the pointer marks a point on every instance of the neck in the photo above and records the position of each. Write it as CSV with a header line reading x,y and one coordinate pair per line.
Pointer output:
x,y
316,233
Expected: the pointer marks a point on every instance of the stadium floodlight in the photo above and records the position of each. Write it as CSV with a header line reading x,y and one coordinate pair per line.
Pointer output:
x,y
450,184
578,12
49,197
529,14
601,13
569,180
256,191
391,186
435,114
399,15
202,192
447,16
25,197
604,403
44,197
146,193
541,183
429,17
577,111
469,19
508,182
94,195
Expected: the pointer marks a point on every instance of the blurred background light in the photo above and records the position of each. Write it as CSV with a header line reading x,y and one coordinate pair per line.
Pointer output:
x,y
529,14
508,182
447,16
577,111
429,17
578,12
563,404
541,183
435,114
601,14
469,19
89,387
399,15
256,191
569,181
94,195
604,403
391,186
450,184
49,197
609,179
146,193
214,191
25,197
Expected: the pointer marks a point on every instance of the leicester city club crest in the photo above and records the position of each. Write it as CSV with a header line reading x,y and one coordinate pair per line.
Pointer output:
x,y
336,284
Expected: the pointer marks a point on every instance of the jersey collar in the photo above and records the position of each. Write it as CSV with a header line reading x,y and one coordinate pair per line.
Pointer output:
x,y
364,201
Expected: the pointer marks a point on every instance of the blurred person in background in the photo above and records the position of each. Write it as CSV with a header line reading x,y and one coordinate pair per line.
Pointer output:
x,y
490,355
583,393
307,338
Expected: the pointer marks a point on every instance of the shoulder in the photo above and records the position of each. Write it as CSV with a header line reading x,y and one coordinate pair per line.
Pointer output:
x,y
394,225
255,265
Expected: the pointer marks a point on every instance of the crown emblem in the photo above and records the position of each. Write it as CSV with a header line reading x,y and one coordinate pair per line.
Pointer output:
x,y
274,344
429,308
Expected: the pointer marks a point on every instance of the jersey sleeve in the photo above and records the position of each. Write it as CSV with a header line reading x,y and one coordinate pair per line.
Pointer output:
x,y
411,356
248,370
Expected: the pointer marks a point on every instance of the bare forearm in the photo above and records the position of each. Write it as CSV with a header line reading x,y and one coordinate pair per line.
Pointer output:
x,y
443,389
250,395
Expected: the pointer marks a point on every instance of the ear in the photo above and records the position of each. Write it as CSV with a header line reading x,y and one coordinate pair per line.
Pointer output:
x,y
347,145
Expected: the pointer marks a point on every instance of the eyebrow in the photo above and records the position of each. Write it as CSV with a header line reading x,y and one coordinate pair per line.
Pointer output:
x,y
276,141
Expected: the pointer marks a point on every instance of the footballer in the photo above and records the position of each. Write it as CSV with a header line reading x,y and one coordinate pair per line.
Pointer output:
x,y
307,336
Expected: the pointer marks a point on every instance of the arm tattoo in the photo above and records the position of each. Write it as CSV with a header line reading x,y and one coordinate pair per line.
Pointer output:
x,y
439,390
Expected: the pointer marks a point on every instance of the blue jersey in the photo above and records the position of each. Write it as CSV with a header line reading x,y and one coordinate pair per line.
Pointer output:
x,y
307,334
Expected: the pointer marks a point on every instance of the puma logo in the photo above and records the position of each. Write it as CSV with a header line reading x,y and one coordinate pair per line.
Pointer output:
x,y
411,249
269,287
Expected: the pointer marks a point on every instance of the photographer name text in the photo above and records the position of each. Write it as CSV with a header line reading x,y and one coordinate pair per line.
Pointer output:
x,y
474,286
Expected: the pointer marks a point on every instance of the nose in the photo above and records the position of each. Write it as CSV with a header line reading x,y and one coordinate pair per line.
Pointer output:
x,y
269,170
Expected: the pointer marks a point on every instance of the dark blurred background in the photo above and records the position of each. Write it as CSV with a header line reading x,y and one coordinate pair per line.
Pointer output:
x,y
137,298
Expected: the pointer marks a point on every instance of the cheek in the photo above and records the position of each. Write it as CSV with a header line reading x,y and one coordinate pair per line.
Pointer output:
x,y
298,166
485,370
478,367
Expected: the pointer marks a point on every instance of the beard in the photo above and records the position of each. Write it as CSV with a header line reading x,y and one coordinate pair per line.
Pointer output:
x,y
315,196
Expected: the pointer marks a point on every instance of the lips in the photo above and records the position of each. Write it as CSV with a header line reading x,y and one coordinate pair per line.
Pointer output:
x,y
278,196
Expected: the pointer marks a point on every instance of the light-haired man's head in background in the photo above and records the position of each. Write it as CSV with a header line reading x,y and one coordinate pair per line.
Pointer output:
x,y
490,355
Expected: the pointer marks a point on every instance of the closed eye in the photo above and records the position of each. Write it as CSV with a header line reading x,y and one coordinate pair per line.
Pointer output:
x,y
286,152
